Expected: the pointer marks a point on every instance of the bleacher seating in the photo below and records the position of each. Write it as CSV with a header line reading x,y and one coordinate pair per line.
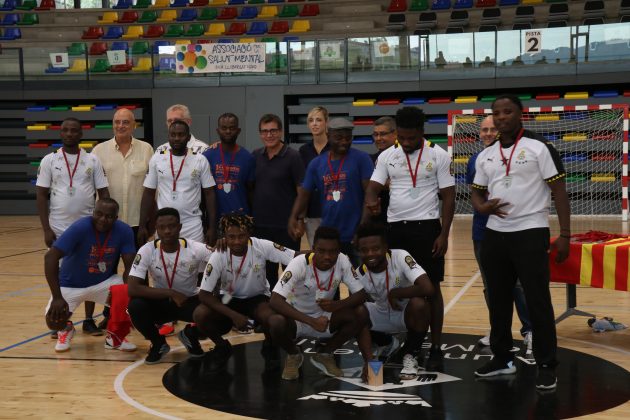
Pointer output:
x,y
593,9
215,29
174,31
9,34
148,16
119,46
397,6
236,28
491,16
154,31
199,3
309,10
27,5
167,16
142,4
123,4
130,16
113,32
419,5
558,12
187,15
463,4
486,3
195,29
228,13
122,68
248,12
79,65
98,48
524,14
279,27
396,22
8,5
160,4
427,20
257,28
300,26
101,65
441,5
108,17
140,47
46,5
76,48
93,32
10,19
209,13
144,65
289,11
180,3
29,19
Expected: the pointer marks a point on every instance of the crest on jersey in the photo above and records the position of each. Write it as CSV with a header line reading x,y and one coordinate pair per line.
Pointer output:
x,y
279,247
136,260
208,269
286,277
88,171
410,262
429,167
521,155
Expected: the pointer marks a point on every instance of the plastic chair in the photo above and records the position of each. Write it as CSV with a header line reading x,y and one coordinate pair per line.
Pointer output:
x,y
78,66
268,11
108,17
248,12
215,29
419,5
98,48
8,5
236,28
148,16
119,46
142,4
179,3
130,16
144,65
310,10
154,31
300,26
101,65
113,32
228,13
10,34
123,4
29,19
167,16
199,3
209,13
10,19
174,31
257,28
140,47
76,48
195,29
397,6
93,32
46,5
187,15
160,4
27,5
279,27
289,11
122,68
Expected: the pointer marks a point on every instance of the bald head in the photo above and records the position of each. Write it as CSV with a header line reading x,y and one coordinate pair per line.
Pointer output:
x,y
124,124
487,131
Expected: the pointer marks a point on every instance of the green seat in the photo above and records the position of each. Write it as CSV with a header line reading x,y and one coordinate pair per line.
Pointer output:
x,y
27,5
174,31
101,65
488,98
195,29
268,39
209,13
418,5
76,48
148,16
140,47
288,11
524,96
29,19
255,1
142,4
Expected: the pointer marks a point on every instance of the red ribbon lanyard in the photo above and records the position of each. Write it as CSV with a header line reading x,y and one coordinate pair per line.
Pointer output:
x,y
335,177
506,162
100,250
413,175
238,273
76,165
172,279
226,169
175,178
317,278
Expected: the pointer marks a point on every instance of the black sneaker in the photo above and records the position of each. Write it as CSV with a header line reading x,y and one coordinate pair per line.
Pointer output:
x,y
89,327
546,378
271,354
103,324
435,362
219,357
496,367
156,353
188,338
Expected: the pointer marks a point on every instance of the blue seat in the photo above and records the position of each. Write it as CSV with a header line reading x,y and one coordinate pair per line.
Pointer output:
x,y
179,3
275,1
166,65
158,44
230,2
123,4
10,34
187,15
55,70
113,32
10,19
509,2
290,38
414,101
441,4
120,46
605,94
248,12
226,40
257,28
463,4
8,5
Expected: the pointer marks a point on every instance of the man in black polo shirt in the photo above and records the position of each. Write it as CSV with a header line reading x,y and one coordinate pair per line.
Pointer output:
x,y
279,172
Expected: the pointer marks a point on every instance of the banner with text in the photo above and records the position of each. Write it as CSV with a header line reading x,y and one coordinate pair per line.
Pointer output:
x,y
217,58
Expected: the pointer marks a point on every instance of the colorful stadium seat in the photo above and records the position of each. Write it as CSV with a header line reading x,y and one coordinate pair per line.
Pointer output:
x,y
209,13
440,4
258,28
397,6
505,3
148,16
119,46
122,68
236,1
76,48
46,5
93,32
236,28
248,12
8,5
144,65
279,27
268,12
199,3
142,4
486,3
29,19
180,3
463,4
123,4
310,10
154,31
10,34
108,17
130,16
187,15
419,5
78,66
300,26
289,11
27,5
140,47
113,32
10,19
98,48
195,29
160,4
174,31
167,16
215,29
101,65
228,13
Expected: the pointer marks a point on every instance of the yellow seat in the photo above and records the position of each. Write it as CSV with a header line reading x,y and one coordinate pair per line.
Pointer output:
x,y
464,120
576,95
183,42
88,144
82,108
167,16
300,26
364,102
37,127
219,2
246,40
108,17
144,64
215,29
547,117
603,178
78,66
160,4
465,99
461,159
268,11
575,137
134,31
527,2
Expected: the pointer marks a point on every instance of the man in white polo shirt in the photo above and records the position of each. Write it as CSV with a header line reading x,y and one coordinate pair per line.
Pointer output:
x,y
173,263
419,174
70,177
513,181
180,175
179,112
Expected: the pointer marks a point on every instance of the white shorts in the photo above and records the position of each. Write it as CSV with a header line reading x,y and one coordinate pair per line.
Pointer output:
x,y
99,293
387,321
305,330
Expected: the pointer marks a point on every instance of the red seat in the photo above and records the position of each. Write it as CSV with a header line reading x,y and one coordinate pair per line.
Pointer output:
x,y
204,41
441,100
121,68
397,6
486,3
310,10
199,3
547,96
236,28
98,48
46,5
279,27
130,16
93,32
228,13
154,31
388,102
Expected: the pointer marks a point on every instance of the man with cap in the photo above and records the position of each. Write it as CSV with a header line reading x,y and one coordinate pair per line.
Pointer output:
x,y
340,177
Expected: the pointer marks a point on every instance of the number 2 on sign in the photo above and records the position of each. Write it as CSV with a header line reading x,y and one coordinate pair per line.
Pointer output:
x,y
533,41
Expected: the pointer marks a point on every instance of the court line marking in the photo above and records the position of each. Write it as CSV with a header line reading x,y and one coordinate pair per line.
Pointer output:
x,y
461,292
21,292
23,253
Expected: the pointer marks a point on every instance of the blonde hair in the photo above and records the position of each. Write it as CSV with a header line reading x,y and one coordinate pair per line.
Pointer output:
x,y
317,109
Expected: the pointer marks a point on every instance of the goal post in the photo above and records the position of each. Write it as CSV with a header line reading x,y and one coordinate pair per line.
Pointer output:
x,y
592,141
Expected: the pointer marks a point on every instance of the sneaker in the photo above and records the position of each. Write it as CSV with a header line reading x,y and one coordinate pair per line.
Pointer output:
x,y
326,363
64,338
271,354
435,362
156,354
292,365
546,378
484,341
528,341
218,357
386,351
410,368
167,329
103,324
89,327
496,367
113,343
187,338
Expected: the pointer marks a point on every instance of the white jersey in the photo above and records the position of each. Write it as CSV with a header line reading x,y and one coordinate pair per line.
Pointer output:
x,y
192,260
402,271
535,162
251,279
434,173
69,204
194,145
186,198
299,284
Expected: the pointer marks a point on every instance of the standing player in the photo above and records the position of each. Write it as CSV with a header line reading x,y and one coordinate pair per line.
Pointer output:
x,y
239,275
90,248
399,291
71,178
303,300
419,175
173,263
180,176
513,181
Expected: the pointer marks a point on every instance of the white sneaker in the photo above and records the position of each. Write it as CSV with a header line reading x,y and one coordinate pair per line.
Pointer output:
x,y
388,350
484,341
64,338
123,346
528,341
410,368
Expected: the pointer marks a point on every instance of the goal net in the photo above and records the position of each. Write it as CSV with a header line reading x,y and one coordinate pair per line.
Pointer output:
x,y
592,141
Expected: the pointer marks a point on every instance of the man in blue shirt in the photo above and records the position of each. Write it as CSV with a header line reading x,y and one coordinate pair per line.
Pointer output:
x,y
90,249
340,177
232,168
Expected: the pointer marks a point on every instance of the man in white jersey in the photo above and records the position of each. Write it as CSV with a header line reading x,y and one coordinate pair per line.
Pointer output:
x,y
513,181
173,263
71,177
235,290
180,175
420,174
398,290
303,300
179,112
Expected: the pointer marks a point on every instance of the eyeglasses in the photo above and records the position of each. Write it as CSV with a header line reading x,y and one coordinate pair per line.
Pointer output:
x,y
377,134
273,132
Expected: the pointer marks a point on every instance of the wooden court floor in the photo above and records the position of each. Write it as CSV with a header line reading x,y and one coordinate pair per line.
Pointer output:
x,y
90,381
